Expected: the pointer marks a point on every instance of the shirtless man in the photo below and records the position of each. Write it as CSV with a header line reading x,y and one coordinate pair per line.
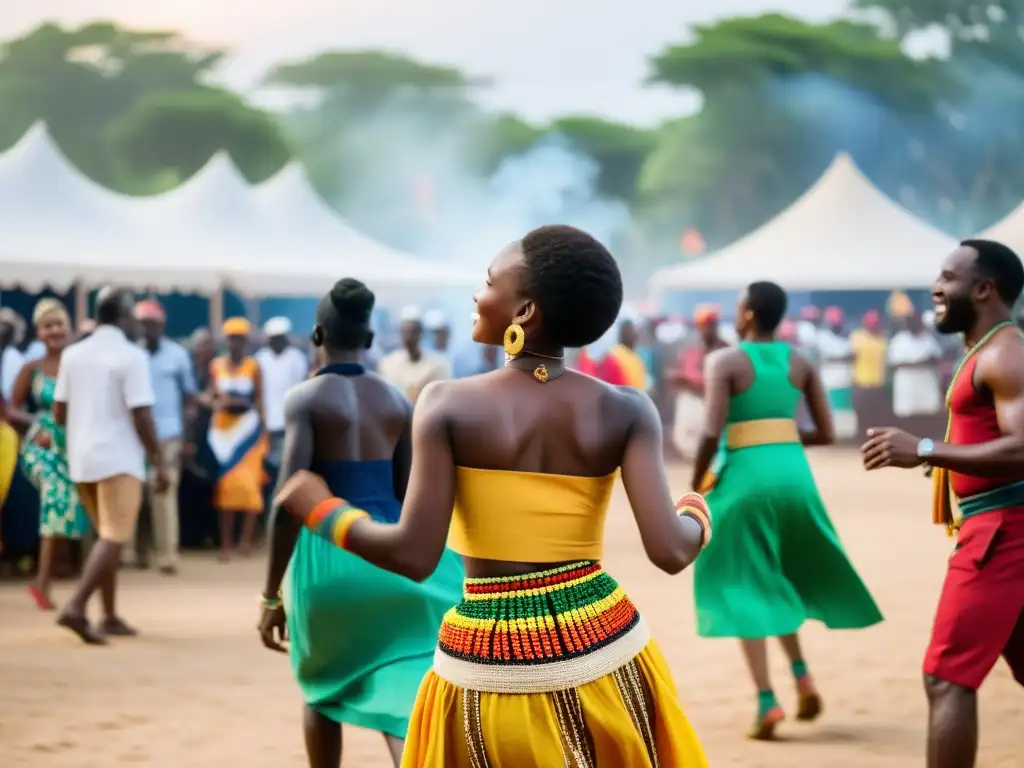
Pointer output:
x,y
980,616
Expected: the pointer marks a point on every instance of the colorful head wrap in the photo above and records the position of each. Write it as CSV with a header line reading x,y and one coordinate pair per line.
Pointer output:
x,y
236,326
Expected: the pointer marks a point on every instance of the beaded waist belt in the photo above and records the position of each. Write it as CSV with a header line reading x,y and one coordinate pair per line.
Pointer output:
x,y
540,632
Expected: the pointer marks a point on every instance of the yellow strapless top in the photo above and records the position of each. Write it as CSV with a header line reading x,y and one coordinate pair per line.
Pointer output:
x,y
529,517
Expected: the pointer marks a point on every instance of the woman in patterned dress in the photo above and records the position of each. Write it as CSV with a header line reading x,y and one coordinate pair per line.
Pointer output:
x,y
43,453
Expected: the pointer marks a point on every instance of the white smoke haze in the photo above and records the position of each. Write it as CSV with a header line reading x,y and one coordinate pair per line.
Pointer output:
x,y
415,160
405,151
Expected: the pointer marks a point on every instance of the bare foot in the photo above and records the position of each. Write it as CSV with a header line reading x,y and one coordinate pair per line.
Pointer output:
x,y
244,550
43,601
169,570
80,626
224,556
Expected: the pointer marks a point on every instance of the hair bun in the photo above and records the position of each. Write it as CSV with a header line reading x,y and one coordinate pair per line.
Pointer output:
x,y
352,300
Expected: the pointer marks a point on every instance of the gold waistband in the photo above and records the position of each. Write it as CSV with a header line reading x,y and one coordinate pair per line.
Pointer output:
x,y
748,434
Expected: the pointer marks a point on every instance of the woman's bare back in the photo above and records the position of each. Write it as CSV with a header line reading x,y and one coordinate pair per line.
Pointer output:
x,y
354,418
506,420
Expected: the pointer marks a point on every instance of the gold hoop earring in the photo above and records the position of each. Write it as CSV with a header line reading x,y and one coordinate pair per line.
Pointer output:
x,y
515,338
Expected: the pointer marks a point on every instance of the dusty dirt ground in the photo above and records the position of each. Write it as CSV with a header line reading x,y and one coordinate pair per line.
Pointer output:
x,y
197,689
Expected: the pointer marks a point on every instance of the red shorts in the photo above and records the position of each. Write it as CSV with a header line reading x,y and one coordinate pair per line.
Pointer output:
x,y
981,609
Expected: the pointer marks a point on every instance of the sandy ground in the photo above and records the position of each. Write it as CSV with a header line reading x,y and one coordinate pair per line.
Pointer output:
x,y
197,689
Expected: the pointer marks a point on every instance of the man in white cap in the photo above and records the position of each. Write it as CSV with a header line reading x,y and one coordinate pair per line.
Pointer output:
x,y
411,368
283,366
436,324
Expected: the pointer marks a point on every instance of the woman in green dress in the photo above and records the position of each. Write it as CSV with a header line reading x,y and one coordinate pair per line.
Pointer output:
x,y
775,559
43,455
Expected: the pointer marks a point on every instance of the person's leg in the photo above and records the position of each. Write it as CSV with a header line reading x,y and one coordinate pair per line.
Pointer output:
x,y
227,534
248,531
165,511
769,713
323,739
810,704
395,747
119,500
40,587
975,623
102,556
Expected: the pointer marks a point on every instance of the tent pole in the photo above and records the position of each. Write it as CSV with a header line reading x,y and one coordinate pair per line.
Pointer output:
x,y
217,311
81,303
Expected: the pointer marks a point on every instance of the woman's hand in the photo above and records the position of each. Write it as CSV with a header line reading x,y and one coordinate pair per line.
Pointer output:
x,y
273,628
302,492
42,439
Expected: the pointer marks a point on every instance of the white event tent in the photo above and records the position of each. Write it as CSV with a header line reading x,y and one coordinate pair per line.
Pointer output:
x,y
842,234
324,244
1009,229
58,228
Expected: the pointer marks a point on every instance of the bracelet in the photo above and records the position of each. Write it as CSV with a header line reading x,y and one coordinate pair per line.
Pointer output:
x,y
271,603
343,525
694,506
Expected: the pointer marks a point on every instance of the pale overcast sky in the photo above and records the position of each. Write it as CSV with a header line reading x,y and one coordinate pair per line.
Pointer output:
x,y
546,57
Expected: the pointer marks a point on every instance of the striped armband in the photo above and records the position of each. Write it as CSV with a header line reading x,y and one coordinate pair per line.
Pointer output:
x,y
332,519
693,505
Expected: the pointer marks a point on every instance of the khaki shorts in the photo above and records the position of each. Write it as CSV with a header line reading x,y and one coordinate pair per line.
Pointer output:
x,y
113,506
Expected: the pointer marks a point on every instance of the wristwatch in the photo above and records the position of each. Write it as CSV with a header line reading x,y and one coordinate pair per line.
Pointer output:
x,y
925,448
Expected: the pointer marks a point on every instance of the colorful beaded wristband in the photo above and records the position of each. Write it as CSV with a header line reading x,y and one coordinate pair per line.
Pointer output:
x,y
332,518
693,505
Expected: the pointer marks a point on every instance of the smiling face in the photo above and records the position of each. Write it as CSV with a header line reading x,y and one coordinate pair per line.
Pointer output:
x,y
957,291
500,302
53,330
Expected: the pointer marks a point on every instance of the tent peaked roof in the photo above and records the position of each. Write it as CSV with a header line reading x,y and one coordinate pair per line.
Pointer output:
x,y
842,234
289,201
60,226
289,196
1009,229
217,194
36,169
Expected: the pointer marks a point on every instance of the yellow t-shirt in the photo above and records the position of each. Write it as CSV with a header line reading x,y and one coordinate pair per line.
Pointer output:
x,y
868,358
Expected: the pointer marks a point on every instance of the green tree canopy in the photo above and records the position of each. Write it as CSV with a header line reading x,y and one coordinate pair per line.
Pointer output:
x,y
781,96
83,81
178,131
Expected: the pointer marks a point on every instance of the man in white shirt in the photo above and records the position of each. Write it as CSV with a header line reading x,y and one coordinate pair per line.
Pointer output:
x,y
914,356
104,397
282,365
411,368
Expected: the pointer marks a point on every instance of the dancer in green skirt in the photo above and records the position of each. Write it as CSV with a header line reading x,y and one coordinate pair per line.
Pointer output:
x,y
775,559
361,639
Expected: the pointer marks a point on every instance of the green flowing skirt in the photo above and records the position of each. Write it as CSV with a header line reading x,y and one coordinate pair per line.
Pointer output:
x,y
775,559
362,638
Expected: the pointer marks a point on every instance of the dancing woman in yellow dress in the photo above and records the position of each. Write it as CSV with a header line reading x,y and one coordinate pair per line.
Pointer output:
x,y
545,662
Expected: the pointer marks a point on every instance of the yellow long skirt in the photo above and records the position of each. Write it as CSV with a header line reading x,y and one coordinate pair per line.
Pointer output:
x,y
526,731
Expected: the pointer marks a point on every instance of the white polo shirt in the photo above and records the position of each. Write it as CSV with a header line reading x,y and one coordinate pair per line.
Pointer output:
x,y
280,373
102,379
